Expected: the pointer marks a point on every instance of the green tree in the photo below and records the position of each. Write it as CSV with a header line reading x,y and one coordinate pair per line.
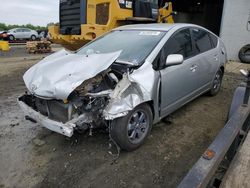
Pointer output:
x,y
4,27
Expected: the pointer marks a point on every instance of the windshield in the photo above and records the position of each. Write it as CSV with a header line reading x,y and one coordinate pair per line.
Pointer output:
x,y
135,45
9,31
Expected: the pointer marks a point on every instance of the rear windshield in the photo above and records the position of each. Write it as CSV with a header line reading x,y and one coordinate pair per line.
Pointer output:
x,y
135,45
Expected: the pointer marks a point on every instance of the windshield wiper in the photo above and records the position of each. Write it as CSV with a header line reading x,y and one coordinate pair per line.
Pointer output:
x,y
125,62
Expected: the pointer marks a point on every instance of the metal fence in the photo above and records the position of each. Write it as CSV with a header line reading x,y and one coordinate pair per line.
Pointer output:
x,y
205,168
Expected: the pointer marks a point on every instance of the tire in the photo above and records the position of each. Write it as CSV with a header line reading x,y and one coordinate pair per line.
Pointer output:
x,y
33,37
129,132
244,54
11,38
216,83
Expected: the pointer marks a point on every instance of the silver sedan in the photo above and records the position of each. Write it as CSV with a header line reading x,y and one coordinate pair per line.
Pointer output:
x,y
125,80
22,33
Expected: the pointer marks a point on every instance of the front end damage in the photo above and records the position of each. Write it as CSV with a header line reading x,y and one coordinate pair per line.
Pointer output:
x,y
108,95
27,104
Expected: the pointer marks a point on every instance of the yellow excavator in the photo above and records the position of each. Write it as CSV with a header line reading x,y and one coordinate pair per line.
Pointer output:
x,y
83,20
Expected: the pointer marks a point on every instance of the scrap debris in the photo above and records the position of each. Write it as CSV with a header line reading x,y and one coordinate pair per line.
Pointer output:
x,y
42,46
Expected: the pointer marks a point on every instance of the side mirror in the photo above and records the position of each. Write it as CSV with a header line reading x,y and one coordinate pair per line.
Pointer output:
x,y
174,59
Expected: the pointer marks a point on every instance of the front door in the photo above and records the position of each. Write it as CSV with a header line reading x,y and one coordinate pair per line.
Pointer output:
x,y
178,83
18,34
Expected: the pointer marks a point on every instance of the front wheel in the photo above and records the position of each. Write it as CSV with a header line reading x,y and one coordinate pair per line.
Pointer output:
x,y
130,131
216,83
11,38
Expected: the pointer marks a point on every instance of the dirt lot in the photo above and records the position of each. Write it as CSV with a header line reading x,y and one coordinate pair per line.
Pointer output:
x,y
32,156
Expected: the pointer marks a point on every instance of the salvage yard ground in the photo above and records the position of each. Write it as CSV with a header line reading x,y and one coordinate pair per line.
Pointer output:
x,y
32,156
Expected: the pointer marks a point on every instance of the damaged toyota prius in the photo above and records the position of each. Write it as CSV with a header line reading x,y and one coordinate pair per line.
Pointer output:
x,y
124,81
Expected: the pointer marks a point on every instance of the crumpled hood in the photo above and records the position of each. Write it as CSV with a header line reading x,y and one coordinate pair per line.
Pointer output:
x,y
62,72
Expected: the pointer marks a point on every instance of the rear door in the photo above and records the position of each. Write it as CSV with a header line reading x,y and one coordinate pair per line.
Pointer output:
x,y
26,33
178,83
207,57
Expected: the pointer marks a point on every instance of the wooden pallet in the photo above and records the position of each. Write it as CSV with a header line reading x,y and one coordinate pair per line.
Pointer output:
x,y
39,47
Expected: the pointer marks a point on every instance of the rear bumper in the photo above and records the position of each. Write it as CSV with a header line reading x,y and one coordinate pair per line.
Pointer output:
x,y
66,129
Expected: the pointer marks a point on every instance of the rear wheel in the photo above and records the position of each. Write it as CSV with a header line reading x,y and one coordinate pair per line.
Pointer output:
x,y
216,83
130,132
33,37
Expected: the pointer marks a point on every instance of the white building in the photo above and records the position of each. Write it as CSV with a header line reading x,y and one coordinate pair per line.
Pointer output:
x,y
230,19
235,26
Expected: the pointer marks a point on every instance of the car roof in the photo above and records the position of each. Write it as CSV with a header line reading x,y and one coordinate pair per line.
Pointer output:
x,y
155,27
15,29
19,28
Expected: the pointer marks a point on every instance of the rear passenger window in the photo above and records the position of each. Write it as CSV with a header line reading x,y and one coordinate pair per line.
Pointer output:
x,y
180,43
202,40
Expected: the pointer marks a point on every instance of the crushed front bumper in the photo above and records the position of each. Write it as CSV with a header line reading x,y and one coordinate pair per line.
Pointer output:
x,y
66,129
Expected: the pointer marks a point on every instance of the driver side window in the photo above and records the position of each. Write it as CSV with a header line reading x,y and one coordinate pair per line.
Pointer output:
x,y
179,43
18,30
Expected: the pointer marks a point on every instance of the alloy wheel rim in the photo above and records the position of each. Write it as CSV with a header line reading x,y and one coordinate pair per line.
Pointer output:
x,y
137,127
217,81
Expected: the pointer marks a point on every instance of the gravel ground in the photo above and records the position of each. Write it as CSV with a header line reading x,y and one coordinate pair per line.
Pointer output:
x,y
19,50
32,156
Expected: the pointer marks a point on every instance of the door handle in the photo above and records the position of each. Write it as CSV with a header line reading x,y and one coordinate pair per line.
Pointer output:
x,y
193,68
216,58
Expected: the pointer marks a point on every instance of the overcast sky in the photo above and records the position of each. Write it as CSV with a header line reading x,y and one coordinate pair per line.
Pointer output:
x,y
36,12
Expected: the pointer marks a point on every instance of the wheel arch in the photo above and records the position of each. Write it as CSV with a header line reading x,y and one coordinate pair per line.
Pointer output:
x,y
222,68
151,105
